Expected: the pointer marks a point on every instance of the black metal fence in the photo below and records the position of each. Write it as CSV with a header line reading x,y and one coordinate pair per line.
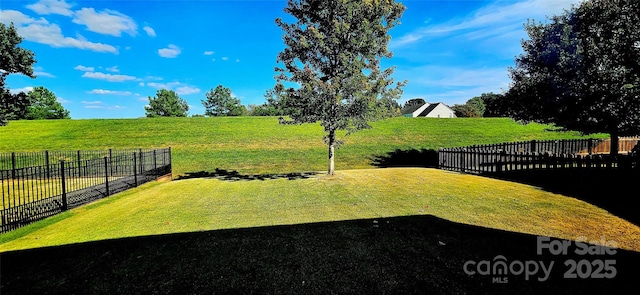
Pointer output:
x,y
557,154
38,185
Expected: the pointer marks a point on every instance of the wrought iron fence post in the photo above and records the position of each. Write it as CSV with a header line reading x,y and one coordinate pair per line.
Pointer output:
x,y
106,176
13,165
79,169
46,160
141,161
111,160
135,170
64,187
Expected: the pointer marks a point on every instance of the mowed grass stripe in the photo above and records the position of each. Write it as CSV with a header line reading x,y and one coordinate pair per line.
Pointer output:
x,y
260,144
209,204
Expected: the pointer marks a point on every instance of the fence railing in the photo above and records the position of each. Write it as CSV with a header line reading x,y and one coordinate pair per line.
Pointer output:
x,y
39,185
560,154
562,146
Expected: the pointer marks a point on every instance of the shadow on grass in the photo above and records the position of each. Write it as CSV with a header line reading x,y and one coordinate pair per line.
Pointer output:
x,y
407,158
236,176
398,255
613,190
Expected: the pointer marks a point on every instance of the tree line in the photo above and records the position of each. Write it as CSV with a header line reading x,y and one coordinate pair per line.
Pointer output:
x,y
220,102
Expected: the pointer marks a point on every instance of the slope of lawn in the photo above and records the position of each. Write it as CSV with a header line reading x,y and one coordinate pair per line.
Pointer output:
x,y
260,144
204,204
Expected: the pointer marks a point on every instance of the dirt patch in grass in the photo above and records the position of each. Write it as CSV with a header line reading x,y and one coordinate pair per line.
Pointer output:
x,y
398,255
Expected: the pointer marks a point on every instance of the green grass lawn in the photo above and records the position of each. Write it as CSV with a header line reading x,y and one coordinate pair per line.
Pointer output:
x,y
373,231
260,144
208,204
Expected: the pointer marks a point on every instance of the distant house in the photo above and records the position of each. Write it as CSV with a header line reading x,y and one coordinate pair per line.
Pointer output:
x,y
429,110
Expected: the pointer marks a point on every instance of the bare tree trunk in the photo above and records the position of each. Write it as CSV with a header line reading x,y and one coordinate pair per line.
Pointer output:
x,y
331,143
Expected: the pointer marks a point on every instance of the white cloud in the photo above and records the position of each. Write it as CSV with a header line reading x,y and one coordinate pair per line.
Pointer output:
x,y
225,58
108,22
91,102
209,53
41,31
170,52
62,100
23,89
496,19
113,69
109,92
108,77
141,84
39,71
83,68
185,90
163,85
51,35
237,60
150,31
18,18
51,7
43,74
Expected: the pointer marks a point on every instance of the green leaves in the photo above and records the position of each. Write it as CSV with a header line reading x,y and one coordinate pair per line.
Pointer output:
x,y
166,103
44,105
13,59
219,102
579,69
332,55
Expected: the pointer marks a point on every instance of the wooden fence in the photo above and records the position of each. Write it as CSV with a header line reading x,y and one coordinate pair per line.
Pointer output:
x,y
562,154
625,145
39,185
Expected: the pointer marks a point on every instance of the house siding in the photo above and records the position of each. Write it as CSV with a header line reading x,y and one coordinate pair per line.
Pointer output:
x,y
441,111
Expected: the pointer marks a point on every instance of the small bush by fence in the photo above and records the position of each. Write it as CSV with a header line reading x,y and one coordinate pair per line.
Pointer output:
x,y
38,185
559,154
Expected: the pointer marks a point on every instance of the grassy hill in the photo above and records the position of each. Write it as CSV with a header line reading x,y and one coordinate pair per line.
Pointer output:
x,y
260,144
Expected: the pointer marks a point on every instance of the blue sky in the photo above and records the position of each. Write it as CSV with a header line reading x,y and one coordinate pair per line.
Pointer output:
x,y
103,59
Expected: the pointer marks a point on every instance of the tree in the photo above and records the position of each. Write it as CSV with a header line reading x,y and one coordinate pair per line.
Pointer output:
x,y
166,103
43,104
413,102
276,103
13,59
581,71
332,53
473,108
219,102
12,106
495,105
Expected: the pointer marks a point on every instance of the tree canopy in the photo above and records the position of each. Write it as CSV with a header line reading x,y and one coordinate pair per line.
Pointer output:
x,y
473,108
332,54
43,104
13,59
581,70
166,103
219,102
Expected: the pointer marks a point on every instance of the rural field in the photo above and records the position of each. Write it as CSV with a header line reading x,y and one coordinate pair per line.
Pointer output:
x,y
251,211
